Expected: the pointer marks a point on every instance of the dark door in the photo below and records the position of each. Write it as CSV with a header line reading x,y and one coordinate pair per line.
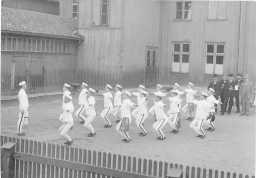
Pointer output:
x,y
151,71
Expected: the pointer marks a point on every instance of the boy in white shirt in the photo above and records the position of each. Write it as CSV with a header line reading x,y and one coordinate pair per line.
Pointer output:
x,y
83,103
117,102
67,115
161,118
124,125
91,113
174,109
23,108
140,113
200,115
190,107
108,106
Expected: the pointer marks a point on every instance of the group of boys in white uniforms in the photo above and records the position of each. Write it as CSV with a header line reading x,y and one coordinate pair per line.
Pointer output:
x,y
201,110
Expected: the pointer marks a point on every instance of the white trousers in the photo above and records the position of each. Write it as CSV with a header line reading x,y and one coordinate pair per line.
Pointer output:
x,y
173,121
23,120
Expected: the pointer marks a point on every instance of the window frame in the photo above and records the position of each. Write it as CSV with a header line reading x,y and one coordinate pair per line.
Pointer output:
x,y
217,17
183,10
107,13
75,14
180,53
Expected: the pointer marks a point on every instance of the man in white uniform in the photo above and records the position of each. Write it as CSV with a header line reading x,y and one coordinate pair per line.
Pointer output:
x,y
108,106
161,118
91,113
83,103
67,115
117,102
23,108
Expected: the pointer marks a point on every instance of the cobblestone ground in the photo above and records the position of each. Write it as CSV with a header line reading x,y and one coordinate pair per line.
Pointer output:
x,y
231,147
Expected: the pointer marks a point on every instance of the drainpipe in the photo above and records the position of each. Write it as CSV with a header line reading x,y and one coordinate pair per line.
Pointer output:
x,y
239,38
122,38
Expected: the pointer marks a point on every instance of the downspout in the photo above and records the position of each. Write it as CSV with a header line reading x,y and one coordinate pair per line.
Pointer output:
x,y
239,38
122,38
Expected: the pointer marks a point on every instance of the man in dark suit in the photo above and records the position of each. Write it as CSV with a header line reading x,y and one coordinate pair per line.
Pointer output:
x,y
215,84
238,82
224,91
231,90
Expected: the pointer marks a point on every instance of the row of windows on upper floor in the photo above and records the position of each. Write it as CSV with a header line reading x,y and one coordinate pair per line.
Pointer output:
x,y
36,44
217,10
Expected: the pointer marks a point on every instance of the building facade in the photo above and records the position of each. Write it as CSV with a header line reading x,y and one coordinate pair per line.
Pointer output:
x,y
141,41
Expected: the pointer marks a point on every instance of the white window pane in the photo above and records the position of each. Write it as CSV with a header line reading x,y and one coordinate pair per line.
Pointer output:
x,y
221,11
219,69
175,67
212,10
185,67
209,68
96,11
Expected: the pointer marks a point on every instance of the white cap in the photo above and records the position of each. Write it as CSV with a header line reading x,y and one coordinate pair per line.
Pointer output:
x,y
204,94
144,92
127,93
142,87
175,91
191,84
119,86
92,90
176,84
67,85
22,83
212,90
109,86
160,94
159,86
84,84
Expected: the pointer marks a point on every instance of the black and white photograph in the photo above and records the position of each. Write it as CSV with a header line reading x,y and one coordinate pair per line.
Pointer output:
x,y
128,89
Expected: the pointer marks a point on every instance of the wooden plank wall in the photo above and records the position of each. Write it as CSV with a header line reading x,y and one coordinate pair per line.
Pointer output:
x,y
147,167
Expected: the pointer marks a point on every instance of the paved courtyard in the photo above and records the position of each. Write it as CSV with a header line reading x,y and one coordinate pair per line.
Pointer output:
x,y
231,147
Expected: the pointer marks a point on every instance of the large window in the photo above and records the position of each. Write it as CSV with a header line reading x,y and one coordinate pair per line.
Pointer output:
x,y
181,57
75,8
183,10
104,12
214,58
217,10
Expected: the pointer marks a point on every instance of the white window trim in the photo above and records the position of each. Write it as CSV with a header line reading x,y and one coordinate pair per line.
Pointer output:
x,y
183,11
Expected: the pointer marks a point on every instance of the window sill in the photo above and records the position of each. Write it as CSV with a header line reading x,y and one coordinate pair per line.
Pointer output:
x,y
215,20
182,20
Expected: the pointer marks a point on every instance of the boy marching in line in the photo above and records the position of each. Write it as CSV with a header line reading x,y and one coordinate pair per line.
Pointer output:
x,y
212,101
23,108
190,107
83,103
117,102
174,109
140,113
200,115
91,113
108,106
67,115
158,110
123,126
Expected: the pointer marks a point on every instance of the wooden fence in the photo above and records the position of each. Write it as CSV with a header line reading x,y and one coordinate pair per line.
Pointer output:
x,y
36,159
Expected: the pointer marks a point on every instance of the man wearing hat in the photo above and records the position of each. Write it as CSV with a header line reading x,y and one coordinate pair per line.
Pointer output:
x,y
117,101
190,107
67,115
83,103
215,85
224,93
91,113
23,108
108,106
237,83
246,95
231,90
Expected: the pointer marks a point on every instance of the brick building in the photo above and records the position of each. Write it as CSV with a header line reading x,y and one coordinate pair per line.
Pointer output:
x,y
126,41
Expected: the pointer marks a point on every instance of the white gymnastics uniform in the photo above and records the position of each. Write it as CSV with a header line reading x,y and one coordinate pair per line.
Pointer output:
x,y
190,107
108,107
67,115
201,115
140,113
161,118
123,126
212,101
23,109
91,114
83,104
174,109
117,103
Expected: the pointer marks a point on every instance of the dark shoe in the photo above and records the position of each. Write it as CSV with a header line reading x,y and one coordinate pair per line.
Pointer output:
x,y
91,134
68,142
105,126
117,121
128,140
175,131
158,138
142,134
163,138
81,121
21,134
